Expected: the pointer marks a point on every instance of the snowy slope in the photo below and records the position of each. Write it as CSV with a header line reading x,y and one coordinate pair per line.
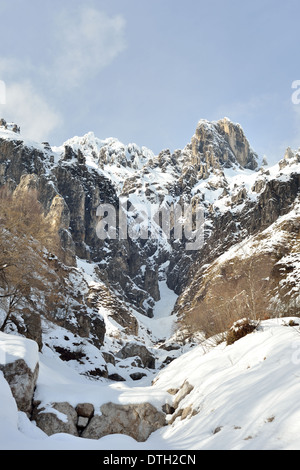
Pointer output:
x,y
245,396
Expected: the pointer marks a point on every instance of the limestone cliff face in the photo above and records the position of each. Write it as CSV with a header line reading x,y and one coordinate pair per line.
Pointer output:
x,y
219,144
83,191
239,144
17,160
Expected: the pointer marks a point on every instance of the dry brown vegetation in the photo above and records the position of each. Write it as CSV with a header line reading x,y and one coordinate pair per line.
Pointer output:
x,y
21,214
24,236
239,288
240,329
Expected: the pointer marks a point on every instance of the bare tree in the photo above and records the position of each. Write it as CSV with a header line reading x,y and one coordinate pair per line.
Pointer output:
x,y
24,236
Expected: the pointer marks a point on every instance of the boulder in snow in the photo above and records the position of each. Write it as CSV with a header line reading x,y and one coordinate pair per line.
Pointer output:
x,y
136,421
19,365
85,410
57,418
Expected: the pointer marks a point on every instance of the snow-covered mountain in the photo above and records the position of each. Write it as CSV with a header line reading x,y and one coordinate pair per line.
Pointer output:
x,y
119,313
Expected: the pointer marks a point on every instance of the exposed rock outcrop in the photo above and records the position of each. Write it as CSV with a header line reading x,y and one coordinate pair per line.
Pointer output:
x,y
57,418
20,367
22,381
222,143
134,349
136,421
177,410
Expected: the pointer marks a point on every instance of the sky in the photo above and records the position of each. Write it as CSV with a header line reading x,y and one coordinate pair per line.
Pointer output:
x,y
148,71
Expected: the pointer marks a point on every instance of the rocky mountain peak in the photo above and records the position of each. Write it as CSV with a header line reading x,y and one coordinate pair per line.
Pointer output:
x,y
222,144
109,151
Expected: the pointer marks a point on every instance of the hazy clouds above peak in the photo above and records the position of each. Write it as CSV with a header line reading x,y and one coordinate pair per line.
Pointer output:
x,y
86,41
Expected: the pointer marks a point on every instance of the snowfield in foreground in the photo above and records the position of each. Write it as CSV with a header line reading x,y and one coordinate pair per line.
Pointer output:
x,y
245,396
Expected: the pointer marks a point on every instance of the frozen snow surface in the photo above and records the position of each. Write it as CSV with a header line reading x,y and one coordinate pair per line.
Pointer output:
x,y
245,396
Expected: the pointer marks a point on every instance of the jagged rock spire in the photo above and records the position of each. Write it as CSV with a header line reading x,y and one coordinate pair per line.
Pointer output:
x,y
222,144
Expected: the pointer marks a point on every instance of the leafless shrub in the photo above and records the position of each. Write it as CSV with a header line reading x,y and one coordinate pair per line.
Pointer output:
x,y
237,289
240,329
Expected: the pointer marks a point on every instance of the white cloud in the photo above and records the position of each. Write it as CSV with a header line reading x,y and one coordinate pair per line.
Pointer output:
x,y
88,41
30,110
